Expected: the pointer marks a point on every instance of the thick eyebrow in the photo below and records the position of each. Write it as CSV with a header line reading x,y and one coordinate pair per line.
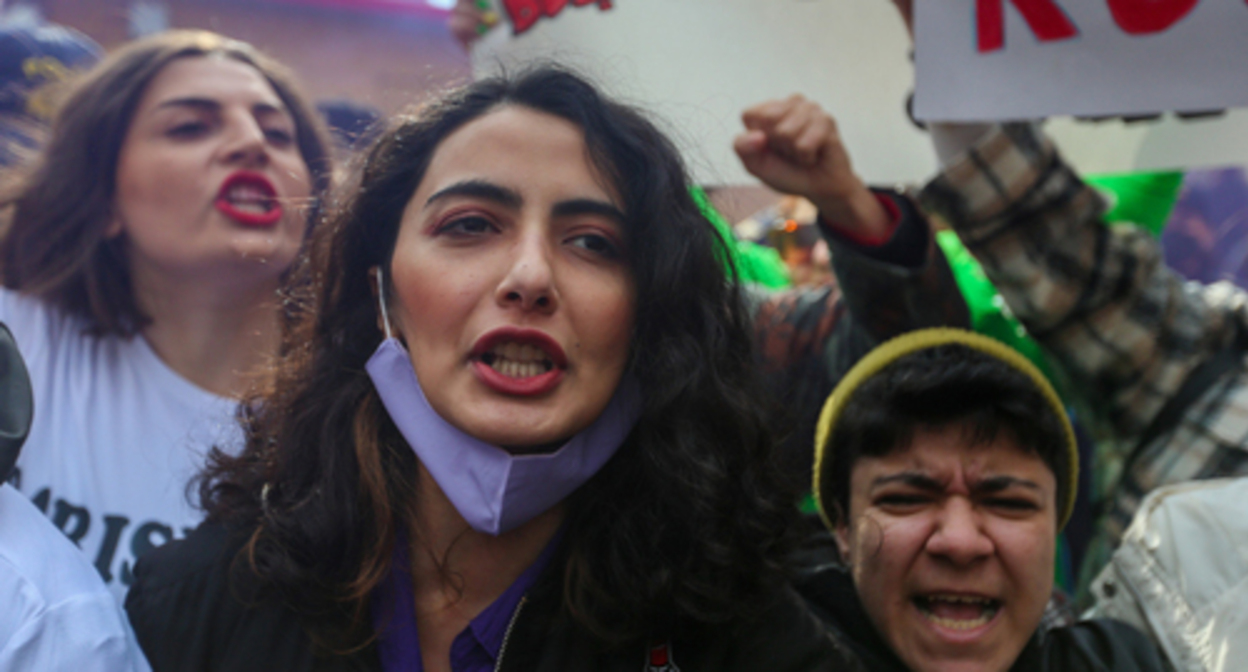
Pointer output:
x,y
987,486
511,199
1000,483
479,189
588,206
913,479
210,105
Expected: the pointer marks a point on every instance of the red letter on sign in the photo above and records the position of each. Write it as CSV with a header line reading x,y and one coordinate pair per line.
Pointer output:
x,y
523,13
1046,19
553,7
1141,17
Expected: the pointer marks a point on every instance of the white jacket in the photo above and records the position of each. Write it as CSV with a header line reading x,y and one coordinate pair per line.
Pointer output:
x,y
1181,575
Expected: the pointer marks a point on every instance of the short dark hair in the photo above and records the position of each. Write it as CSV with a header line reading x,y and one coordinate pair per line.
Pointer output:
x,y
938,387
687,522
55,244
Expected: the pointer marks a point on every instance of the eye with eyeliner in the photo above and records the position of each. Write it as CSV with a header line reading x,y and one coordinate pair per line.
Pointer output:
x,y
278,127
600,244
188,129
279,137
464,224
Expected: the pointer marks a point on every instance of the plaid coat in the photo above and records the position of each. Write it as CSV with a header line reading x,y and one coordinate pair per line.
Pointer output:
x,y
1124,328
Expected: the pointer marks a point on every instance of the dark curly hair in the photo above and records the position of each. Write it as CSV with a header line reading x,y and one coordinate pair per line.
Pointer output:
x,y
687,523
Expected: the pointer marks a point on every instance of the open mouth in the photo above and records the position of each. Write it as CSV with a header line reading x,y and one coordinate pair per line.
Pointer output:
x,y
518,360
249,198
957,612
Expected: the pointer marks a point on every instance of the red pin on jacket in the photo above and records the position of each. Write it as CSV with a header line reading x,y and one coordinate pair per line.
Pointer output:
x,y
661,659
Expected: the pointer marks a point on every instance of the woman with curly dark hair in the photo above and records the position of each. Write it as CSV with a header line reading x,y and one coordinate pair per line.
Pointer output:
x,y
515,426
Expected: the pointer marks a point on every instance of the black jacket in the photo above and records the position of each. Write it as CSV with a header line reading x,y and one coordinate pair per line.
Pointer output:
x,y
1088,646
187,615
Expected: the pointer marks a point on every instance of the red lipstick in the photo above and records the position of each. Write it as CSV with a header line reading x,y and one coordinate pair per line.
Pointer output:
x,y
485,357
250,199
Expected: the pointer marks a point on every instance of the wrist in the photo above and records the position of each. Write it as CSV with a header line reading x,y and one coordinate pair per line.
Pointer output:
x,y
857,213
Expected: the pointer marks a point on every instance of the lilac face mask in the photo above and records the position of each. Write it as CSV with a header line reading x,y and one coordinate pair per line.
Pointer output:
x,y
492,489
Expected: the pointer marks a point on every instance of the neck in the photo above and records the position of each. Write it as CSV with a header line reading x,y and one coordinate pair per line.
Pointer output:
x,y
214,337
458,569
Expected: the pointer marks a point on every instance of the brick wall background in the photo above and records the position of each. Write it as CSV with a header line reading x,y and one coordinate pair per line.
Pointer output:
x,y
387,59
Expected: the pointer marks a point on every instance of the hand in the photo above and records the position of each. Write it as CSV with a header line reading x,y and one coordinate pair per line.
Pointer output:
x,y
906,9
464,21
793,146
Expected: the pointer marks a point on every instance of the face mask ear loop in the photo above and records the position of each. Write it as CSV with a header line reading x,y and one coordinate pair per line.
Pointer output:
x,y
381,298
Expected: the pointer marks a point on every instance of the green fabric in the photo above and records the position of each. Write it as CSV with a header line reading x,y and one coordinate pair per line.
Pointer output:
x,y
1146,199
989,314
808,505
757,264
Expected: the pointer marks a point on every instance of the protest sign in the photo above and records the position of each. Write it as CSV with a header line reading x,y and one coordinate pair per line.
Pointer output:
x,y
696,64
1018,59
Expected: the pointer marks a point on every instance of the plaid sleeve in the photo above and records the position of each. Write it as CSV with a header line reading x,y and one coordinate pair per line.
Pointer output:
x,y
1124,327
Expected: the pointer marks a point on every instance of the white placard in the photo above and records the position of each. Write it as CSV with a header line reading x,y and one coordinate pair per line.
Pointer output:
x,y
1018,59
697,63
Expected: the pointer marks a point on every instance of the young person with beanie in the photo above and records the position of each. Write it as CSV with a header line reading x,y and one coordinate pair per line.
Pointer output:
x,y
945,467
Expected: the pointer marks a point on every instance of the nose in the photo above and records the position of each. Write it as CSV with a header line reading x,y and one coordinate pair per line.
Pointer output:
x,y
959,536
530,280
245,142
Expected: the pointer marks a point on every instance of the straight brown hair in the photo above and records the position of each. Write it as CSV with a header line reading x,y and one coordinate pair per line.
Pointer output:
x,y
56,212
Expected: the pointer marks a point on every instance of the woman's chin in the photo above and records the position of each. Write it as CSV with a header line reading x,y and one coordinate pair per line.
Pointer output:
x,y
518,441
535,449
521,426
270,253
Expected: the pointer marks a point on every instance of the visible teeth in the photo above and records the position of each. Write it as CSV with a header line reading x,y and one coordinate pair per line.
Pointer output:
x,y
960,625
989,606
257,208
515,368
518,360
247,192
249,197
960,598
520,352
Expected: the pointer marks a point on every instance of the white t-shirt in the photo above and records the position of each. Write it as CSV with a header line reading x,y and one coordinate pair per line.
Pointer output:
x,y
56,613
117,436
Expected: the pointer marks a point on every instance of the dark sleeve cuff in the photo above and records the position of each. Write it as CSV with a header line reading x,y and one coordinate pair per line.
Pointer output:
x,y
904,245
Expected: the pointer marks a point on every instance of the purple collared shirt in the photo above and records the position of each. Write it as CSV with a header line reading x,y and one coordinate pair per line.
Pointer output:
x,y
475,649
